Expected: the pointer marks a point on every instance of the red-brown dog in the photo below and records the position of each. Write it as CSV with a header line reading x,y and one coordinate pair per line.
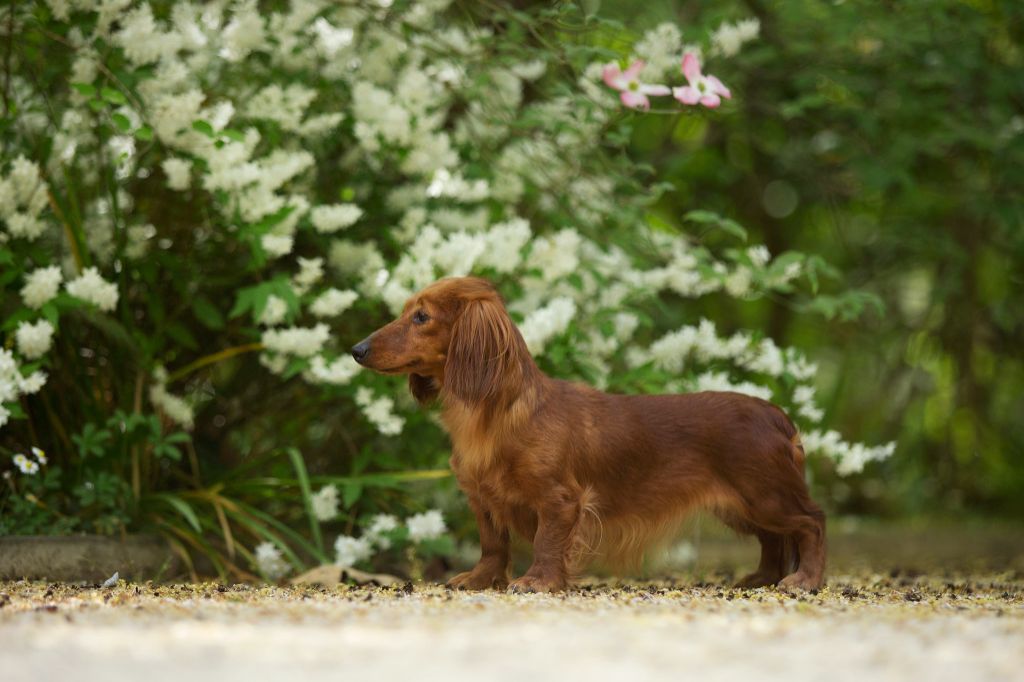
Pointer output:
x,y
584,473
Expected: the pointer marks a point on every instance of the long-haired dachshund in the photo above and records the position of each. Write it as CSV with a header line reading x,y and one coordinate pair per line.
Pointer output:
x,y
589,474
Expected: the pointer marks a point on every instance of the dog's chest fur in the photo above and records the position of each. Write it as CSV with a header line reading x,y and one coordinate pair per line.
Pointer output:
x,y
486,459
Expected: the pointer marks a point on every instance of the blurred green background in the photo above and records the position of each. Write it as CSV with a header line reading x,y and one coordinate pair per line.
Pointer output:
x,y
889,138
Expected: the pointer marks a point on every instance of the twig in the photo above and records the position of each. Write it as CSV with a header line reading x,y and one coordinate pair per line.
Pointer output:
x,y
211,359
67,231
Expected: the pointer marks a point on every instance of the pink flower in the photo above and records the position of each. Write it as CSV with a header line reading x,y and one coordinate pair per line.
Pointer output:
x,y
633,93
706,90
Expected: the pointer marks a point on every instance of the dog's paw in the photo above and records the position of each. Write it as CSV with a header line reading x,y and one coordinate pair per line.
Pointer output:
x,y
472,580
800,582
531,583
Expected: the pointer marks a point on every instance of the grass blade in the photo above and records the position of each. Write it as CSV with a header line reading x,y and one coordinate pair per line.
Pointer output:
x,y
299,465
183,508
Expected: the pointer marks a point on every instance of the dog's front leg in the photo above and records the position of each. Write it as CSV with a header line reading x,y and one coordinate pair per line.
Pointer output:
x,y
557,522
491,572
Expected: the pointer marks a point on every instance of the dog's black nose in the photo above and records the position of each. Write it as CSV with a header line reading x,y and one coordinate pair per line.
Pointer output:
x,y
360,351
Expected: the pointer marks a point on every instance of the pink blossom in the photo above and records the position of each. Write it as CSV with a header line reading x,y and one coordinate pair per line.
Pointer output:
x,y
706,90
632,92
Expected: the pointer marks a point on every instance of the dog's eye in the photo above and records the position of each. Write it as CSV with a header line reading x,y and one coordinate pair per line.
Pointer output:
x,y
420,317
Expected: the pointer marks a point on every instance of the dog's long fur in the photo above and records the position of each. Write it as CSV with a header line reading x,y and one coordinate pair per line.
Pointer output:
x,y
586,474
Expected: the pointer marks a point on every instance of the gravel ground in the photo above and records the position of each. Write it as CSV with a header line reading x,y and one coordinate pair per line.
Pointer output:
x,y
860,627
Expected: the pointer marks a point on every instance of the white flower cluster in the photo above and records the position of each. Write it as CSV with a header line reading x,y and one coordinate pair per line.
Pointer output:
x,y
434,255
25,465
269,561
23,196
379,411
338,372
34,340
428,525
325,503
803,398
302,342
350,550
287,105
311,271
178,172
543,324
175,407
720,381
274,310
41,285
92,288
850,458
702,343
328,219
660,48
729,38
13,384
333,302
454,186
379,528
29,466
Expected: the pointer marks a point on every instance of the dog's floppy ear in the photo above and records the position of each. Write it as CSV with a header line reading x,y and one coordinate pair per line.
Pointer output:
x,y
424,389
486,354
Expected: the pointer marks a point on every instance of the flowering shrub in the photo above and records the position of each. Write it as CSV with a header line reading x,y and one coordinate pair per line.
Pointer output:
x,y
204,204
422,535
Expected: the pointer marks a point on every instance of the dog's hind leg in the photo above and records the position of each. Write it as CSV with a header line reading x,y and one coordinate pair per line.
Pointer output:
x,y
774,564
795,528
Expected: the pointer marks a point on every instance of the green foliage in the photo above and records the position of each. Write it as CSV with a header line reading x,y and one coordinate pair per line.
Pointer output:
x,y
900,129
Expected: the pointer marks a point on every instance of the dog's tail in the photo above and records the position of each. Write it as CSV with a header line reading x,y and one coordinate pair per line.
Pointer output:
x,y
799,455
784,424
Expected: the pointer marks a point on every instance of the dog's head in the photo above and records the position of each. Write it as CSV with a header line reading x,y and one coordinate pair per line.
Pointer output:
x,y
454,336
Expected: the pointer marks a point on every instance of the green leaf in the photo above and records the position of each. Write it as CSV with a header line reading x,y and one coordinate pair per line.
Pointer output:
x,y
113,96
183,508
714,220
295,366
255,298
244,301
122,122
145,133
207,313
97,104
182,335
236,135
163,450
350,494
203,127
86,89
51,313
20,315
